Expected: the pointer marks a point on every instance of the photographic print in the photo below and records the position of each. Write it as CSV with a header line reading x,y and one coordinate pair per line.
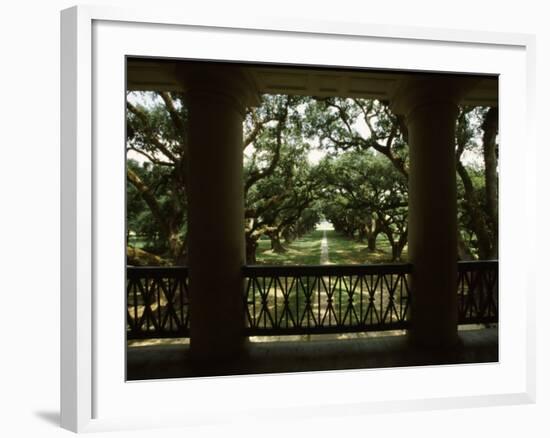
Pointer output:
x,y
295,218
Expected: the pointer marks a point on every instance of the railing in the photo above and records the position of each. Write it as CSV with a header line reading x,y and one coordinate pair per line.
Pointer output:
x,y
478,292
281,300
157,302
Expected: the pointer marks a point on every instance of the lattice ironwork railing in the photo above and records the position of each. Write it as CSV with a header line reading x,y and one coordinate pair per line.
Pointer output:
x,y
478,292
283,300
157,302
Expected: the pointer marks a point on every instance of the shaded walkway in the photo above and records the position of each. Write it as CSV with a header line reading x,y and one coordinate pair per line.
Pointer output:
x,y
324,249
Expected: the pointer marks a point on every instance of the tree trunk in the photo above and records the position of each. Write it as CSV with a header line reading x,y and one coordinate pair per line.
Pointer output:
x,y
395,252
169,227
490,128
276,245
371,240
288,235
397,248
177,249
464,252
478,211
251,245
372,230
139,257
402,241
478,222
393,244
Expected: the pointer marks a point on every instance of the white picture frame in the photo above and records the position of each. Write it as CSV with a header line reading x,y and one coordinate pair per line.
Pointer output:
x,y
92,391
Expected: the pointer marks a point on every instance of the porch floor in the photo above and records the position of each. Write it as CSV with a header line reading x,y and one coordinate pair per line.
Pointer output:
x,y
173,361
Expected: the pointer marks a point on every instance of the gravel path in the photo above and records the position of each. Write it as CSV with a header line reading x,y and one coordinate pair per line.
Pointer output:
x,y
324,249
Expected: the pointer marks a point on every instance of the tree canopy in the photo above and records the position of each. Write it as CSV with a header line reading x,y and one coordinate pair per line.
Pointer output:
x,y
358,181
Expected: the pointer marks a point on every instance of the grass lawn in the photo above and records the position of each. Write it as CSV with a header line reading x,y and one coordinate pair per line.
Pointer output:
x,y
303,251
341,251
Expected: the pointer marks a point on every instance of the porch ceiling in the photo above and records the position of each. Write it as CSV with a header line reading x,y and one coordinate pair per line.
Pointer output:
x,y
160,75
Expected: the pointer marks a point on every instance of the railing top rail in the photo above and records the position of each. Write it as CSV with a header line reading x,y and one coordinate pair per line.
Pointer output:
x,y
318,270
155,271
474,265
299,270
145,268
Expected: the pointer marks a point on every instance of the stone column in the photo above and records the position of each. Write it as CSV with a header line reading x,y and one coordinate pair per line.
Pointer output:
x,y
430,107
216,97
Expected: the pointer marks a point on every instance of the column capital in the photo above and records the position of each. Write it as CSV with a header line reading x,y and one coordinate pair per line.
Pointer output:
x,y
419,90
232,82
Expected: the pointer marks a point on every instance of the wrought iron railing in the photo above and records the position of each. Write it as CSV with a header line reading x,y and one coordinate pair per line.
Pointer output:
x,y
478,292
284,300
281,300
157,302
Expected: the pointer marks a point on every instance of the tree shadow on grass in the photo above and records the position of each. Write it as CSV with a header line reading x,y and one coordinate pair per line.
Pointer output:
x,y
305,250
